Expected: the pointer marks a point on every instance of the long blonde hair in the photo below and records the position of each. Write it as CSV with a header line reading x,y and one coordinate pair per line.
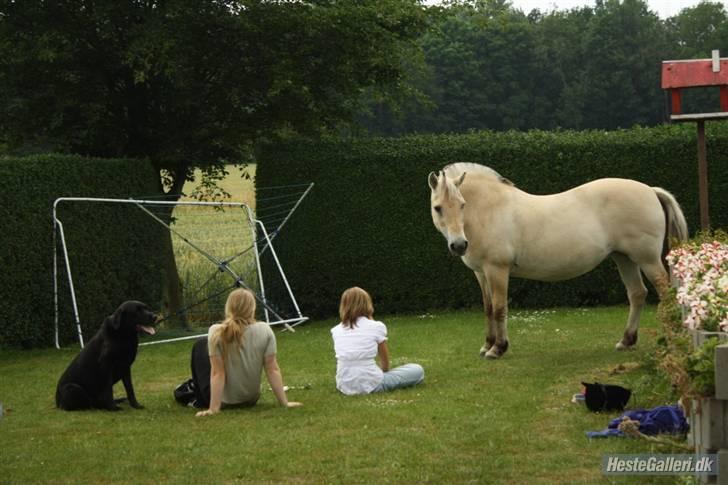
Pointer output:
x,y
239,313
355,303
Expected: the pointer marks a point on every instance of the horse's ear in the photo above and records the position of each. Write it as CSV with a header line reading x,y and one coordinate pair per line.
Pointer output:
x,y
432,180
460,179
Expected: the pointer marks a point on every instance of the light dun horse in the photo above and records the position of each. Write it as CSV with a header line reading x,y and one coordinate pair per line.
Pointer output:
x,y
500,231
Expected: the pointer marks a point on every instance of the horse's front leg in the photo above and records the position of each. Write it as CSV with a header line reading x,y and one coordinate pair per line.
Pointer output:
x,y
488,309
497,278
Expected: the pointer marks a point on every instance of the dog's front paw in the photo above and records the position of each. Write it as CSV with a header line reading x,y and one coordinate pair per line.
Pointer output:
x,y
136,405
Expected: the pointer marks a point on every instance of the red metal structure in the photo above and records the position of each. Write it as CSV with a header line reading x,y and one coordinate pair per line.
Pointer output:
x,y
698,73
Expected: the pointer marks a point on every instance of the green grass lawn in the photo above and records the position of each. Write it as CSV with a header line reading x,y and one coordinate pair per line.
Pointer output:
x,y
472,421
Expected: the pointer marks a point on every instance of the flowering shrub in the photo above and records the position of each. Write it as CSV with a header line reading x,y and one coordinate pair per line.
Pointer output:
x,y
702,271
700,302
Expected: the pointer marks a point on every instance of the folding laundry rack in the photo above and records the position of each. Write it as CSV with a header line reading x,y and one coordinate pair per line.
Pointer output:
x,y
262,241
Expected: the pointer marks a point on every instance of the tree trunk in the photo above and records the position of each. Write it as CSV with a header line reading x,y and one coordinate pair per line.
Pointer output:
x,y
172,285
173,296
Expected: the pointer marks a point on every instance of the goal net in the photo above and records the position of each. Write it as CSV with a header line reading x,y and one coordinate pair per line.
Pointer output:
x,y
182,258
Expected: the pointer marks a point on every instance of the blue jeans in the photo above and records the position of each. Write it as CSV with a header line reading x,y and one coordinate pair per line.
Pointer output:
x,y
403,376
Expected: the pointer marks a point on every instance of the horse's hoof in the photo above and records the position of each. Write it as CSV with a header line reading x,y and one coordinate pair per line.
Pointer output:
x,y
628,340
497,350
622,346
492,354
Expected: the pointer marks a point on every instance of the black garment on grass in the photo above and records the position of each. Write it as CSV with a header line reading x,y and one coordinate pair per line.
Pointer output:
x,y
605,397
195,392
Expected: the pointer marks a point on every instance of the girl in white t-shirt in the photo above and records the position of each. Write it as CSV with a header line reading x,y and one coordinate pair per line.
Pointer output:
x,y
358,340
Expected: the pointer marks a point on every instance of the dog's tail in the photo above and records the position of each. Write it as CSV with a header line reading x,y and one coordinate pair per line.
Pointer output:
x,y
72,397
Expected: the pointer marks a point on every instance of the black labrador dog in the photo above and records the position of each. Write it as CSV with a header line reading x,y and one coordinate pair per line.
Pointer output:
x,y
88,381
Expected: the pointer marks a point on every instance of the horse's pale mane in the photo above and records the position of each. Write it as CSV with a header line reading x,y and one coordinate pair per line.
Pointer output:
x,y
454,170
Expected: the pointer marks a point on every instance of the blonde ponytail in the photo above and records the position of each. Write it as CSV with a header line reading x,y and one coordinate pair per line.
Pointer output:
x,y
239,313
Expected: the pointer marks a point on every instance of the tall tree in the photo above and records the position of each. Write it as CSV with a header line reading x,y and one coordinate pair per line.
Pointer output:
x,y
624,46
189,83
488,65
562,54
694,33
697,30
484,68
192,83
481,70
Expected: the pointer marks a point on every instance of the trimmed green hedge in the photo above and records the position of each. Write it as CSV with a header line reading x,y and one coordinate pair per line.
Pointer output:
x,y
367,221
98,237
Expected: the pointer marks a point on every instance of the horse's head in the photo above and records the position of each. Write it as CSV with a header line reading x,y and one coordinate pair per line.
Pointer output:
x,y
447,206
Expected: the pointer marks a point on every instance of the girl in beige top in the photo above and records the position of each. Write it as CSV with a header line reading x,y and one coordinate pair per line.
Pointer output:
x,y
239,349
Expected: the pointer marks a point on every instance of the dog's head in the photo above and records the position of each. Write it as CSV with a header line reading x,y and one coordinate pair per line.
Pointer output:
x,y
132,317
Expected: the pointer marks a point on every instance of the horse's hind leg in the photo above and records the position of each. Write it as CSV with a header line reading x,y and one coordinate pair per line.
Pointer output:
x,y
658,276
637,294
488,309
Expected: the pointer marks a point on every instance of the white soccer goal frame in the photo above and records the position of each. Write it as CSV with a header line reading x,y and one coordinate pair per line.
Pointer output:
x,y
265,238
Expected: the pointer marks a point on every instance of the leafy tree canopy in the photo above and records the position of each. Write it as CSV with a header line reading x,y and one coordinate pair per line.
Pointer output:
x,y
491,65
190,83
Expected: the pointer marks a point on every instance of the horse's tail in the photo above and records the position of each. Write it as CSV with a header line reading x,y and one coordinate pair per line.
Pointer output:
x,y
676,227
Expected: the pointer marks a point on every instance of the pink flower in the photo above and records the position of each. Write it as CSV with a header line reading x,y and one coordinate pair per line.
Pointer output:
x,y
702,274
